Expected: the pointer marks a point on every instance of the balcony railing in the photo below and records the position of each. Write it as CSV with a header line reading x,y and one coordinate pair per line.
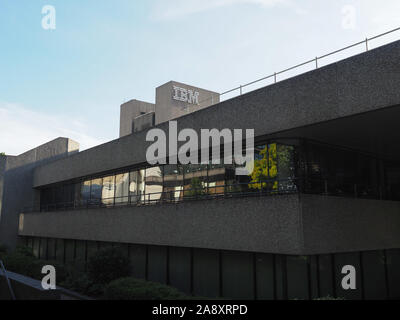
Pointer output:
x,y
262,188
253,189
274,77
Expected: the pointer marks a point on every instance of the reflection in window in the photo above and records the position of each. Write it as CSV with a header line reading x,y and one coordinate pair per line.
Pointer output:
x,y
286,168
85,192
133,187
122,188
274,168
219,176
153,184
195,180
69,195
173,182
108,191
136,186
265,171
96,191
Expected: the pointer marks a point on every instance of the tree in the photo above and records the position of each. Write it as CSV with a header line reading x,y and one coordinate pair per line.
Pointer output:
x,y
265,169
268,174
2,154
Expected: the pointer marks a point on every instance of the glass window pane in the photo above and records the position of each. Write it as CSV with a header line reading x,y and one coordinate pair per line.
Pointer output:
x,y
122,188
96,191
173,183
195,180
85,193
137,186
141,185
154,184
286,168
133,187
77,197
60,197
69,193
108,191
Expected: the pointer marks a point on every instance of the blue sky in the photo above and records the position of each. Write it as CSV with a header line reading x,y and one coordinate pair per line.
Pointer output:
x,y
71,81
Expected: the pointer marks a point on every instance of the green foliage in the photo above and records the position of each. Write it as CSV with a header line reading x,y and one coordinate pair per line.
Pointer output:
x,y
79,281
24,250
107,265
133,289
23,261
22,264
2,154
265,169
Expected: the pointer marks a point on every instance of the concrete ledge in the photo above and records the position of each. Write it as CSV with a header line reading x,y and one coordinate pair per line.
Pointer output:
x,y
258,224
339,225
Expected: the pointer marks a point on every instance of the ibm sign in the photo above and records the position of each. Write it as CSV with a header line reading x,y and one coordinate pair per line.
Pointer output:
x,y
186,95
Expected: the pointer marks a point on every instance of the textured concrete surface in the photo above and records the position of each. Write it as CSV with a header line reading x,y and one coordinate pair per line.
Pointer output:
x,y
18,180
144,122
295,224
131,110
335,224
167,108
363,83
267,224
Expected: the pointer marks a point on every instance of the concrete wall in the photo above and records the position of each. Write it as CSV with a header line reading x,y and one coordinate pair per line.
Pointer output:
x,y
335,224
167,108
266,224
363,83
130,111
282,224
18,180
144,122
245,275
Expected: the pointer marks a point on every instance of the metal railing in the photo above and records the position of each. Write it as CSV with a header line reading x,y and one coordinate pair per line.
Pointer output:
x,y
275,75
3,269
262,188
234,190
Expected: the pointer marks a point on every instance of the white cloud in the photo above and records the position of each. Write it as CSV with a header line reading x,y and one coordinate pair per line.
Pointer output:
x,y
22,129
172,9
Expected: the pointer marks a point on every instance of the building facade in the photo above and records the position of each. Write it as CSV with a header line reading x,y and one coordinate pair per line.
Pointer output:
x,y
324,194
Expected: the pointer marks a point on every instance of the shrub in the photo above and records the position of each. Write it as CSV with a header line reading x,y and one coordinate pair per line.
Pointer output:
x,y
76,281
23,261
22,264
107,265
3,250
24,250
133,289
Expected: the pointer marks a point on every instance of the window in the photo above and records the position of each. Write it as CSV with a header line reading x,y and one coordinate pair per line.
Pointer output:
x,y
153,184
96,191
137,186
122,188
173,183
85,193
108,191
195,180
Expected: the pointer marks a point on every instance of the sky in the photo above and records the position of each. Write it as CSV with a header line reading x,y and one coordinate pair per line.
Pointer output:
x,y
70,80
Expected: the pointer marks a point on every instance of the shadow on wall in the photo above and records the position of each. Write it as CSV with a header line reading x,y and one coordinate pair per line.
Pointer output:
x,y
243,275
16,181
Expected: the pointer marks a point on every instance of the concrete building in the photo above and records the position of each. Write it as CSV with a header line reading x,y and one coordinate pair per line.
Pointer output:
x,y
326,193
